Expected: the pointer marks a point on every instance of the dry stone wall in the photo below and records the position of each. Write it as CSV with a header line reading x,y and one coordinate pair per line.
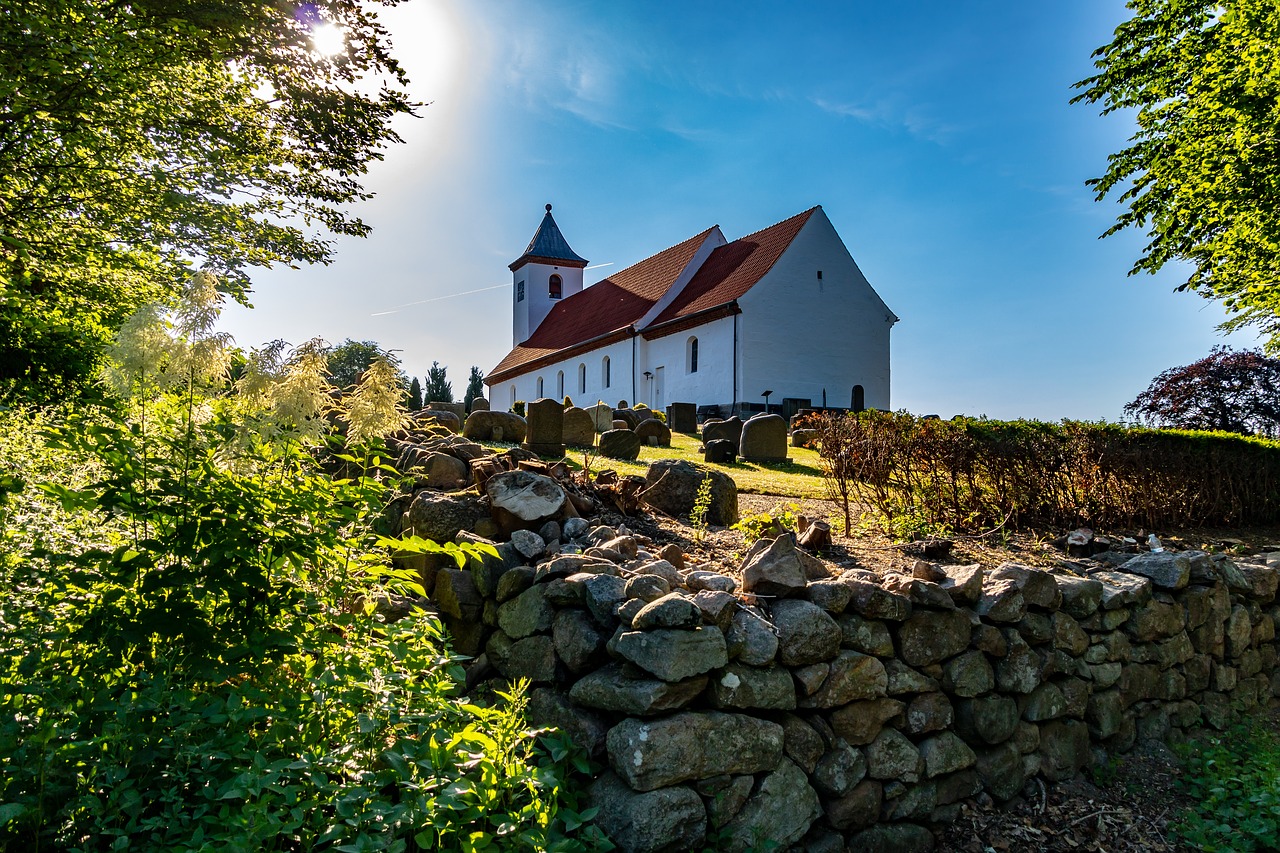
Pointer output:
x,y
858,711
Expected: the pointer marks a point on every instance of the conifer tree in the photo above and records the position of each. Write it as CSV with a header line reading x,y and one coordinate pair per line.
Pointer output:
x,y
415,395
438,389
475,386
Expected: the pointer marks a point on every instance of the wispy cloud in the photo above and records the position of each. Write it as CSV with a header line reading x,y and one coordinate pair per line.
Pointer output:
x,y
916,120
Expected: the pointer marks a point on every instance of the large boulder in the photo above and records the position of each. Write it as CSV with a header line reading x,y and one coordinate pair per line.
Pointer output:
x,y
523,499
692,745
495,426
440,417
671,486
764,439
779,813
651,822
440,517
773,568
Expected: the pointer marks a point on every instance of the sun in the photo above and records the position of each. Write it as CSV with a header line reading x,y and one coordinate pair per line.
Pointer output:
x,y
328,39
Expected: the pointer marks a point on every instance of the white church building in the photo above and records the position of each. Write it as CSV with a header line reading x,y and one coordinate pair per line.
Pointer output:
x,y
708,321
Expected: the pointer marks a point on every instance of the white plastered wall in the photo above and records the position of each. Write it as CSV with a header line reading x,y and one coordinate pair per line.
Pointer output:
x,y
620,365
712,384
800,335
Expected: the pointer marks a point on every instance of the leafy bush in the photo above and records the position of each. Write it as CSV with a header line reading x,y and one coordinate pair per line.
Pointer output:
x,y
1234,785
194,657
967,473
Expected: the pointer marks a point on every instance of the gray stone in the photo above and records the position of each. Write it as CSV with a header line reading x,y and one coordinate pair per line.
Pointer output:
x,y
1001,770
620,444
801,743
523,496
601,594
1068,636
671,486
1046,702
1081,597
774,569
1002,600
945,753
929,637
527,543
653,432
870,599
720,451
831,595
512,583
1122,590
527,613
741,686
705,580
673,654
904,679
869,636
1064,749
892,756
673,610
546,428
780,812
764,439
852,676
552,709
649,822
806,633
456,596
729,429
962,583
717,608
859,808
860,723
495,426
990,719
650,754
1020,671
1156,620
929,712
533,658
1167,570
614,688
647,587
893,838
968,674
839,770
751,639
443,471
439,517
578,640
1039,588
579,428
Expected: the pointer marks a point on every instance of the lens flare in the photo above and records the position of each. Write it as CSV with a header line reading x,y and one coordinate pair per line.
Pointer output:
x,y
328,39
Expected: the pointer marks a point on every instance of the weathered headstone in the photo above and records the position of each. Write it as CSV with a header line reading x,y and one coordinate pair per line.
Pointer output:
x,y
682,417
479,404
546,428
720,450
730,429
764,439
458,409
619,444
631,416
494,426
579,428
601,415
651,429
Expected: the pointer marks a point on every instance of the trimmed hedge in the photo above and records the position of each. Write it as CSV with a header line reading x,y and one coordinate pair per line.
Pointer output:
x,y
970,473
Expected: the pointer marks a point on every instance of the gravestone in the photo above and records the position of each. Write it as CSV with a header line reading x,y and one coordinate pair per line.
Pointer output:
x,y
601,416
458,409
764,439
729,429
654,432
579,428
439,417
620,444
631,416
494,426
682,417
479,404
720,450
546,428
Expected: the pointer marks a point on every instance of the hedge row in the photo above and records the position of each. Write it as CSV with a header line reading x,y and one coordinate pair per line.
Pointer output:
x,y
966,473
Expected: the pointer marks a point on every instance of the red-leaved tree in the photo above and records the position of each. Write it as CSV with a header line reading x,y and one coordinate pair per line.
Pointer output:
x,y
1230,390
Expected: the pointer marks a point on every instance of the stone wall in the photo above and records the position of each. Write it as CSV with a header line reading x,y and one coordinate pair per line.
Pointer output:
x,y
858,711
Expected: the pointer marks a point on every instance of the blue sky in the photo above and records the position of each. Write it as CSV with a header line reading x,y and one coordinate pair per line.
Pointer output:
x,y
938,137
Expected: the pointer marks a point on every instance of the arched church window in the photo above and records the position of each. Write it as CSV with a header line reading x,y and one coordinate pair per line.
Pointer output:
x,y
604,372
540,394
582,379
859,398
691,355
554,287
513,395
560,383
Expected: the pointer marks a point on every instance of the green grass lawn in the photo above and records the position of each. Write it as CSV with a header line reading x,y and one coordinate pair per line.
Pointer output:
x,y
798,477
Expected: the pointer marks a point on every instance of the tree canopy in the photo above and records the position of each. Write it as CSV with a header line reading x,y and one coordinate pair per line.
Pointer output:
x,y
1201,175
438,388
475,386
138,139
1230,390
349,359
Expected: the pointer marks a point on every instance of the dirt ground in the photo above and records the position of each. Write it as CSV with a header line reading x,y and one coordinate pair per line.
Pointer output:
x,y
1127,805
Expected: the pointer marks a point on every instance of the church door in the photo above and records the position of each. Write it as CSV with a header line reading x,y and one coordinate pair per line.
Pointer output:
x,y
658,378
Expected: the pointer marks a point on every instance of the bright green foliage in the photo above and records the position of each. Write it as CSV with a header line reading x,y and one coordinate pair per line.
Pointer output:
x,y
701,506
1234,785
767,525
475,386
438,388
1202,173
415,395
138,137
349,359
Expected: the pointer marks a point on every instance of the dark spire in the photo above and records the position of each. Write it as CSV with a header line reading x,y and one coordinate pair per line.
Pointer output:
x,y
549,246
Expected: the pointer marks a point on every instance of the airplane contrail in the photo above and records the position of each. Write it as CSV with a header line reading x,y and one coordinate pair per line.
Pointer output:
x,y
452,295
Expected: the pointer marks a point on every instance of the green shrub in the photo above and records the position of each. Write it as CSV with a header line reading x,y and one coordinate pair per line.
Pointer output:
x,y
967,474
1234,785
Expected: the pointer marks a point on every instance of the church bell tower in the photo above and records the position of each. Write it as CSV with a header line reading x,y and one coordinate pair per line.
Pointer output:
x,y
547,272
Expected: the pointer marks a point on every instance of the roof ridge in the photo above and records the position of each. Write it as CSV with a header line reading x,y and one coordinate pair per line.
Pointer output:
x,y
677,244
782,221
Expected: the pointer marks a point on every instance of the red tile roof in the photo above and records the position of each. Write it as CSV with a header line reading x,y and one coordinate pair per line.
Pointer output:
x,y
609,307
